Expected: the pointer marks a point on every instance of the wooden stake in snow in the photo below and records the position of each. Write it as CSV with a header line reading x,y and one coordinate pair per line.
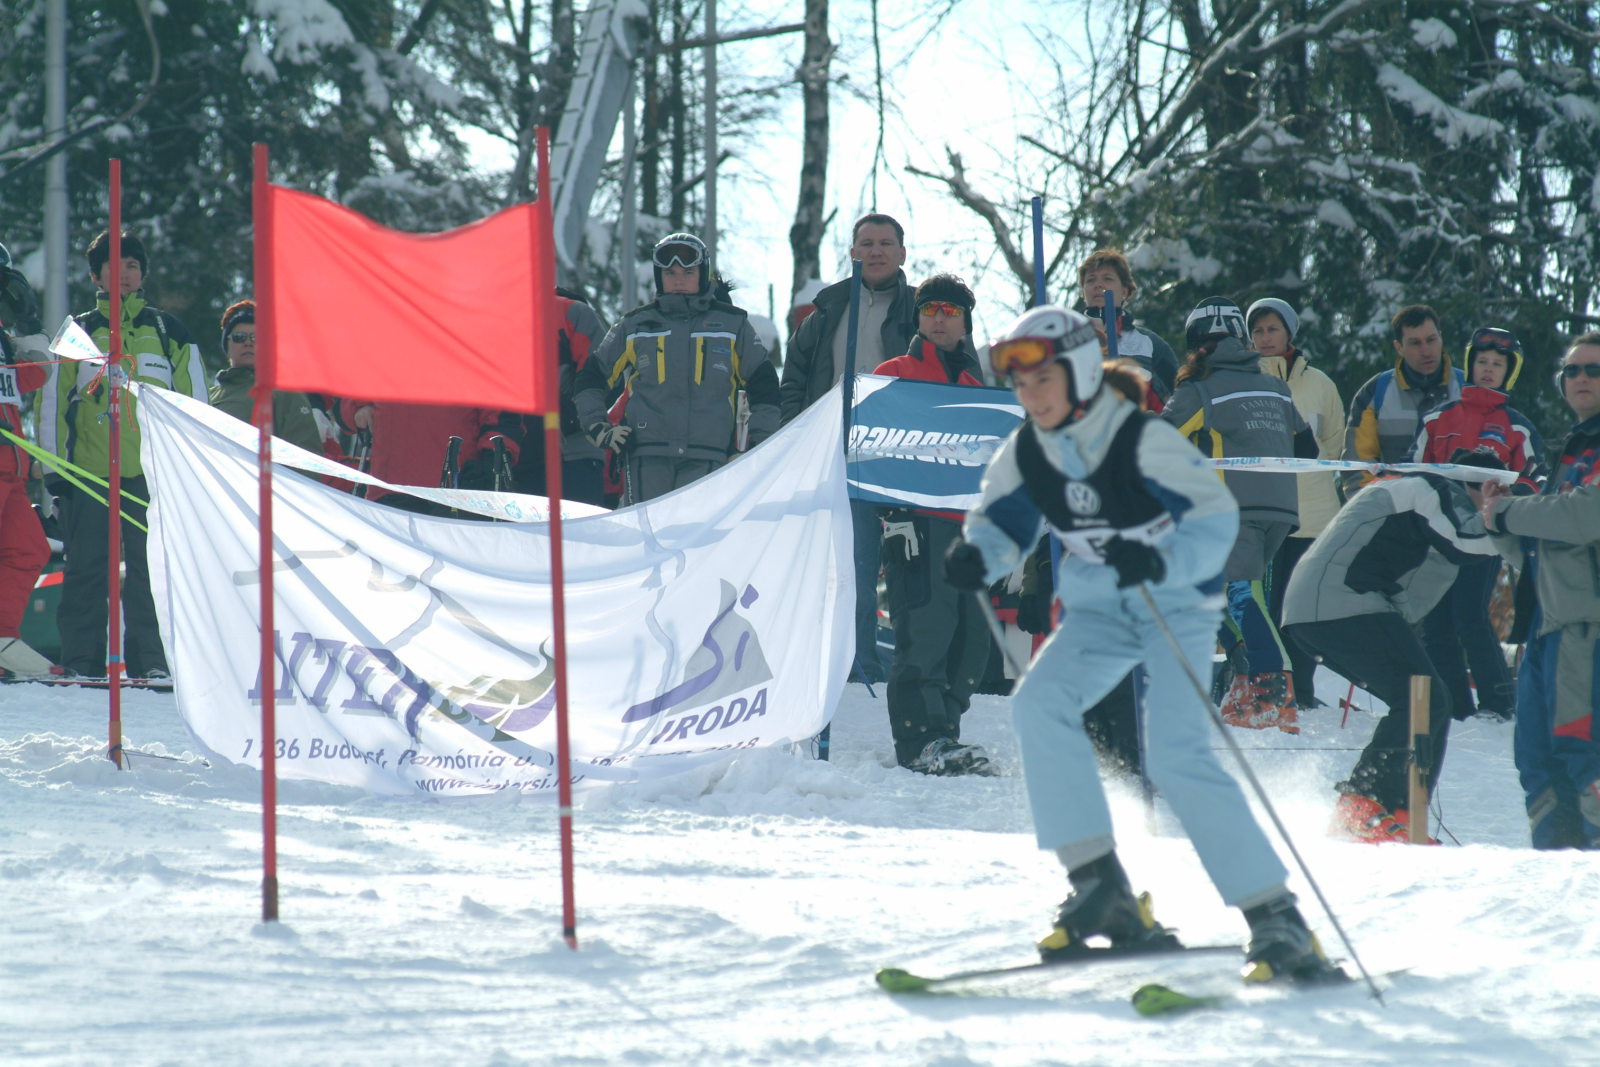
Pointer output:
x,y
1421,757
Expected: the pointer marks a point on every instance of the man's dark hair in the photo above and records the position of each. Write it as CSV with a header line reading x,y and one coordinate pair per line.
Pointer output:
x,y
1410,317
877,218
1590,338
100,251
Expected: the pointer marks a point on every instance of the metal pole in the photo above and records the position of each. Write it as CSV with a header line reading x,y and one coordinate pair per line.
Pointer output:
x,y
1038,251
266,378
55,168
112,275
628,259
711,130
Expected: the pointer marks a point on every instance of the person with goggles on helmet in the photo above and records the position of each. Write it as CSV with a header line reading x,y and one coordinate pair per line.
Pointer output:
x,y
1230,408
683,358
1133,505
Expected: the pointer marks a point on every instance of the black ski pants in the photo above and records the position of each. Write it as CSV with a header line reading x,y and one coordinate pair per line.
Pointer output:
x,y
1380,653
941,642
85,593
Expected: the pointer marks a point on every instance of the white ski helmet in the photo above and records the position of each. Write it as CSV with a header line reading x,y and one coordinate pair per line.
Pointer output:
x,y
1051,332
1215,316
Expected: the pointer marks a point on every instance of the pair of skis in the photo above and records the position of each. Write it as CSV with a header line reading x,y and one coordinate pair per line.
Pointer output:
x,y
1150,999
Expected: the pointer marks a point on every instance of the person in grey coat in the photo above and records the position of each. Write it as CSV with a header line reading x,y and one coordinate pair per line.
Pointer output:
x,y
886,322
1372,575
1555,537
685,356
1228,407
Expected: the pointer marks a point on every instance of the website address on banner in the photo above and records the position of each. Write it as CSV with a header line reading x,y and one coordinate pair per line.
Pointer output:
x,y
456,785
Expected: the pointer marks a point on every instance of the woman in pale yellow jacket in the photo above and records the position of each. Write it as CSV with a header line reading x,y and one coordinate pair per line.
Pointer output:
x,y
1273,324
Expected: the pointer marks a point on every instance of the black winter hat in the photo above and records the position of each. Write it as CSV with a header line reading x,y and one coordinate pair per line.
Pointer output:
x,y
946,288
237,314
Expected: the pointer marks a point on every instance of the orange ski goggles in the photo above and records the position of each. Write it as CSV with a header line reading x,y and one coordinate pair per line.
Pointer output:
x,y
1020,353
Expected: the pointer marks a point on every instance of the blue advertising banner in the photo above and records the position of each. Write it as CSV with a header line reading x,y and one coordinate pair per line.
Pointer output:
x,y
925,444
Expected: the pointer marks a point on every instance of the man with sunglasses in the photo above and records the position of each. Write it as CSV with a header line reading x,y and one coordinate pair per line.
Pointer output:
x,y
1386,412
292,417
683,358
885,325
1458,634
1555,539
941,643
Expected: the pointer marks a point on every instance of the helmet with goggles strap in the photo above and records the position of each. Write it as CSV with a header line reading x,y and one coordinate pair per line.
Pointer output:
x,y
1215,316
681,250
1051,333
1499,340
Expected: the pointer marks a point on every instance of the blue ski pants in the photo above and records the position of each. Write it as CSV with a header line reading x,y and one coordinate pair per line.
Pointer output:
x,y
1091,652
1556,751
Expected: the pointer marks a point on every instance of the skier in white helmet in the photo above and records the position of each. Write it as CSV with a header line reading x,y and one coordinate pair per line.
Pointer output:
x,y
1132,504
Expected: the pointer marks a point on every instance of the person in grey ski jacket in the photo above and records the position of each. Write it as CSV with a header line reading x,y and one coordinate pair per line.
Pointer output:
x,y
1555,538
1229,408
1145,527
1368,579
684,356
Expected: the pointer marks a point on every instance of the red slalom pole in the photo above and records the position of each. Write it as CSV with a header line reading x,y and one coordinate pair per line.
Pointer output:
x,y
266,380
114,476
544,284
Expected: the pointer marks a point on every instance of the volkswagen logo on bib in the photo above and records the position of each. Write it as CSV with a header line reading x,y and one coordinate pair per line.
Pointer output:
x,y
1082,498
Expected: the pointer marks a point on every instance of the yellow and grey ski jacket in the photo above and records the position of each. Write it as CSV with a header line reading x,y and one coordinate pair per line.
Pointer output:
x,y
684,360
1386,414
73,420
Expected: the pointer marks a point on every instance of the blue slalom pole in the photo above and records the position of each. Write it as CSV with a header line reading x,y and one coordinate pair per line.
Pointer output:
x,y
1111,325
1038,251
849,391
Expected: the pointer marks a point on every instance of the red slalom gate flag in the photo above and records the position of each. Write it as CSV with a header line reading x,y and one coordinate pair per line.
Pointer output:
x,y
357,309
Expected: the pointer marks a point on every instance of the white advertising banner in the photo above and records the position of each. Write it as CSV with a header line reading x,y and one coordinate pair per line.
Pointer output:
x,y
415,653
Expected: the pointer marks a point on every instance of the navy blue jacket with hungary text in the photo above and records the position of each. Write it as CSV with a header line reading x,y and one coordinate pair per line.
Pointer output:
x,y
684,359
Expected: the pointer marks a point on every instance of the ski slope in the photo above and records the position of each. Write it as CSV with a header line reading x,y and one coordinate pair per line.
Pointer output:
x,y
734,915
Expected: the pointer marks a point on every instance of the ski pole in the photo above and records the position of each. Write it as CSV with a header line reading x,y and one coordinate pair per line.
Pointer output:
x,y
363,460
450,473
502,465
1255,783
999,634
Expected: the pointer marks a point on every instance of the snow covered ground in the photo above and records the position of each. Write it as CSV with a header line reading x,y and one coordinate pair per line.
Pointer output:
x,y
731,916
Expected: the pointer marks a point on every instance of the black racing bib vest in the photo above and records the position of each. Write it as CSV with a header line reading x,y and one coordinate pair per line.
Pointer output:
x,y
1112,500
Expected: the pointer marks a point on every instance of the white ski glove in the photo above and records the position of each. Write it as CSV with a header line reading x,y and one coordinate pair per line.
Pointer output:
x,y
906,530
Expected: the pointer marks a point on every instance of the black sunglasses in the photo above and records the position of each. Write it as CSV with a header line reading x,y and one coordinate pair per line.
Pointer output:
x,y
1572,370
239,337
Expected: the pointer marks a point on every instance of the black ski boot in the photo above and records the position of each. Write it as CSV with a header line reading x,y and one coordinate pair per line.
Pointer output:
x,y
1103,906
1282,946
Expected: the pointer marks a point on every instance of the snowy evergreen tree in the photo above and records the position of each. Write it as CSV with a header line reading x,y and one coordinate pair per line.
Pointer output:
x,y
1351,156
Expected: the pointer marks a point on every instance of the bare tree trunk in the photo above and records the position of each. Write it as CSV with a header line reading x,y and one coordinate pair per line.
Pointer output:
x,y
680,136
521,185
651,124
563,61
805,236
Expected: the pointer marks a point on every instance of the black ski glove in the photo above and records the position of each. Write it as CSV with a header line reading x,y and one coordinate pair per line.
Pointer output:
x,y
1135,562
963,566
1033,613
